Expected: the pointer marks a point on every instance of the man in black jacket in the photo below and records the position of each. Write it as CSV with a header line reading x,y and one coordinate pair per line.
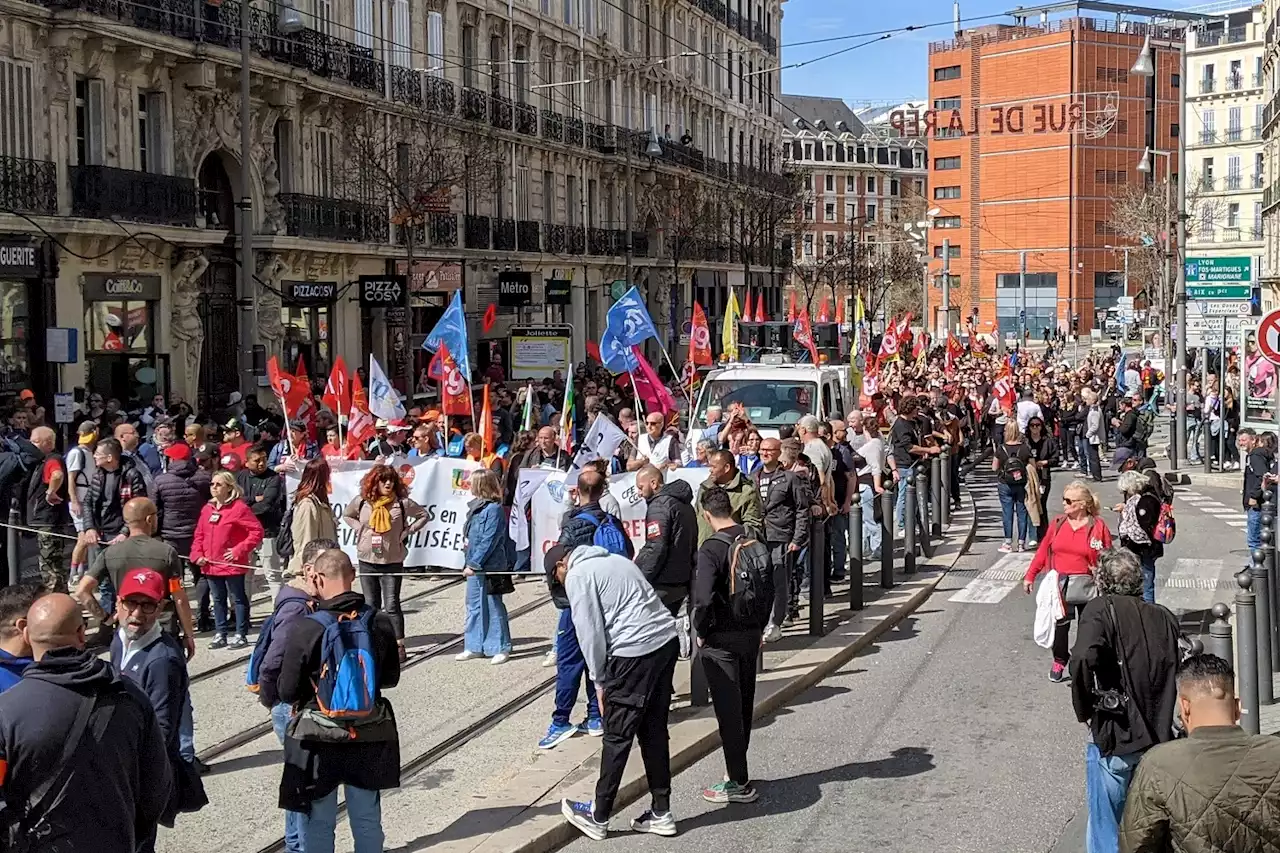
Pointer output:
x,y
120,780
264,493
785,502
313,770
1126,425
670,536
1126,654
1257,464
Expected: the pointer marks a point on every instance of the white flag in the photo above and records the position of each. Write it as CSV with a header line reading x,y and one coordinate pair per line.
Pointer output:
x,y
384,402
518,526
602,440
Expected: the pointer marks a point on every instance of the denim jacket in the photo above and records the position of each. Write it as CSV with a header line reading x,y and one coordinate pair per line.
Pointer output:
x,y
486,534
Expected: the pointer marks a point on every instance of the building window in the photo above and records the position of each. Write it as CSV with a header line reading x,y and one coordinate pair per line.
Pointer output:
x,y
953,251
829,211
400,34
893,186
1113,75
831,183
942,164
808,245
946,192
871,185
808,211
90,133
282,147
435,44
947,222
829,244
16,109
322,163
468,36
522,77
1040,298
851,184
950,72
1110,176
871,212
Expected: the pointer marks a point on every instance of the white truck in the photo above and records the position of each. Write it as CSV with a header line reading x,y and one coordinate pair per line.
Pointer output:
x,y
777,393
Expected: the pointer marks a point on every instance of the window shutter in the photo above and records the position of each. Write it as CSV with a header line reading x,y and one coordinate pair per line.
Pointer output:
x,y
97,149
435,44
157,122
400,33
15,109
364,23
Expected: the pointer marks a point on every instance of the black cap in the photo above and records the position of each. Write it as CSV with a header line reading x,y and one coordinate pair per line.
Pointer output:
x,y
555,554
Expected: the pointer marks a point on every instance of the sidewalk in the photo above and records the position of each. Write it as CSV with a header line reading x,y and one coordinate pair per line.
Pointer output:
x,y
521,813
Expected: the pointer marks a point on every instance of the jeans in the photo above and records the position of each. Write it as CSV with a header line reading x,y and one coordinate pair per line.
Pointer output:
x,y
269,560
523,559
107,595
294,822
900,500
187,730
1013,504
235,585
487,630
381,591
871,532
838,546
1106,784
571,668
1253,528
1149,579
364,813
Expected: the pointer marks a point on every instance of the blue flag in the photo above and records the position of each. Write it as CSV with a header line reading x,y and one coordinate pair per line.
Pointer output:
x,y
630,321
451,330
616,356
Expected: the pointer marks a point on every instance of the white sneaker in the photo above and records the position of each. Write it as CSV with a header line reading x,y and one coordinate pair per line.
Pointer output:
x,y
468,656
499,658
772,633
549,659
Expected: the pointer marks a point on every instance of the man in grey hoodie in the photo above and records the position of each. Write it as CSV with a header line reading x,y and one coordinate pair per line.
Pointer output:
x,y
628,639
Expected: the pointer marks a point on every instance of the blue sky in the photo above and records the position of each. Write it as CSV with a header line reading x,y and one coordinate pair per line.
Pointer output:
x,y
889,70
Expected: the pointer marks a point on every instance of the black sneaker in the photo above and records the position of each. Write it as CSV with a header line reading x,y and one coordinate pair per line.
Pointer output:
x,y
200,766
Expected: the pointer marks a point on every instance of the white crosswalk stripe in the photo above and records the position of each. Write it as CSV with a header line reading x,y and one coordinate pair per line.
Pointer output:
x,y
995,583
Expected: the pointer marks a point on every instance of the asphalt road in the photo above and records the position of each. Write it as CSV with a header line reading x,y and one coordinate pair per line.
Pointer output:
x,y
945,736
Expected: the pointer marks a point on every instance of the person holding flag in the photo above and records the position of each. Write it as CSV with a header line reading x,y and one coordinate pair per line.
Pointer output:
x,y
803,334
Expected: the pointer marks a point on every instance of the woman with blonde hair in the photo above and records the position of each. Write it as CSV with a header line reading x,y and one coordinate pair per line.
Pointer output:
x,y
1070,547
1010,461
226,535
488,631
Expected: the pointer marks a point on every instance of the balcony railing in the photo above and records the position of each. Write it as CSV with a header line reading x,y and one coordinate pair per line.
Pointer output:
x,y
440,95
528,236
1235,82
573,131
527,119
1233,134
28,186
552,126
1206,85
1231,234
576,239
476,232
1255,233
500,112
1233,182
406,86
1256,181
600,137
333,219
1208,136
1207,185
102,192
504,235
599,242
475,104
553,238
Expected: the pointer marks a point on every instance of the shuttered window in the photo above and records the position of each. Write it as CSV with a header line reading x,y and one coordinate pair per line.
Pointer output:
x,y
15,110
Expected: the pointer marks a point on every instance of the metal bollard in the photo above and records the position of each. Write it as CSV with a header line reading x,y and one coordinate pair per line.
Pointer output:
x,y
1219,643
909,527
935,492
817,575
1269,552
1247,653
1258,574
855,552
886,538
11,542
922,498
945,506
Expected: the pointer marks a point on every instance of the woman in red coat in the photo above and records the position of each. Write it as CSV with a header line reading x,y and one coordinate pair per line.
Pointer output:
x,y
226,535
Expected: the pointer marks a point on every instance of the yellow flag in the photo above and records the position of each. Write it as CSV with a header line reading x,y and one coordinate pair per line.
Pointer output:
x,y
729,335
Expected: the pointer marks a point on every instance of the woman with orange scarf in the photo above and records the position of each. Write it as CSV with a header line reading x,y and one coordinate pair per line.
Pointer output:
x,y
384,518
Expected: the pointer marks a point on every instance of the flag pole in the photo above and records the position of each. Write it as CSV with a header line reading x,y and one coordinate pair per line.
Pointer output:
x,y
687,394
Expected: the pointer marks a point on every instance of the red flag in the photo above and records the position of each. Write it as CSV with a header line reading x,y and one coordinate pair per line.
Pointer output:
x,y
803,334
954,349
889,342
824,311
359,420
1004,390
337,391
455,396
485,427
301,370
593,350
649,387
921,345
490,317
870,380
760,317
292,393
840,312
904,324
791,307
699,337
746,308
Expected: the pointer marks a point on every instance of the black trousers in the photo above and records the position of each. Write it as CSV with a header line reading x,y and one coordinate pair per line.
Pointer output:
x,y
672,597
783,566
381,591
637,702
729,661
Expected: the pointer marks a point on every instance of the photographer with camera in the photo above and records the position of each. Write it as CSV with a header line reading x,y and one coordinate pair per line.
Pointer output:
x,y
1123,670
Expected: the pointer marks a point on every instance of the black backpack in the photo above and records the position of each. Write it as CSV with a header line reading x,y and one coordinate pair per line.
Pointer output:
x,y
284,536
1145,426
1013,470
751,592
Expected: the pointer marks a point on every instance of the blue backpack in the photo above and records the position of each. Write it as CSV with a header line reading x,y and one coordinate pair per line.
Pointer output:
x,y
347,688
260,647
609,534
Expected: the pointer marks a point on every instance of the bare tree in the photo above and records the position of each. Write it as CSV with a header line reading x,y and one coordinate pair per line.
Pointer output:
x,y
755,219
689,218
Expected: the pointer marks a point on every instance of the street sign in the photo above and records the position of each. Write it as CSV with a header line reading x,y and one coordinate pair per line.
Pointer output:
x,y
618,289
1219,291
1220,308
1237,270
1207,331
1269,337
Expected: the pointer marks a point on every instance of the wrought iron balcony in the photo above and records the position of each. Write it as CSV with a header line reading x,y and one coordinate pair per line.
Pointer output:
x,y
441,97
1206,85
442,228
475,104
617,242
500,111
406,86
1256,181
504,235
554,239
600,137
1233,181
333,219
573,131
529,236
639,244
552,126
28,186
1208,136
599,242
476,232
576,238
1233,134
103,192
1235,82
527,119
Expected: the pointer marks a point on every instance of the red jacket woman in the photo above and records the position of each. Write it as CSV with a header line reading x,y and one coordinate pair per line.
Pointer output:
x,y
226,536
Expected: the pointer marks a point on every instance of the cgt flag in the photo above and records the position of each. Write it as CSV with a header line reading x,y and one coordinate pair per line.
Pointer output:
x,y
699,337
803,334
630,319
337,391
360,424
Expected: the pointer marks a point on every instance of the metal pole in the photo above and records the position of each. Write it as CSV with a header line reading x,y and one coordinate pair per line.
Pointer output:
x,y
909,523
11,543
922,508
855,552
1222,389
626,203
817,574
1247,653
1262,595
886,499
1180,283
1220,634
944,506
935,492
1022,298
1269,551
946,290
245,296
1204,420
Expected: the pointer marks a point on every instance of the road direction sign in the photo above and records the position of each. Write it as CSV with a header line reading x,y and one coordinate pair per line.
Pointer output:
x,y
1207,331
1237,270
1220,308
1219,291
1269,337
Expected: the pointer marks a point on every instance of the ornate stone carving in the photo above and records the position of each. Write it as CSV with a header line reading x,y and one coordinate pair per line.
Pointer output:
x,y
58,86
272,269
186,329
468,16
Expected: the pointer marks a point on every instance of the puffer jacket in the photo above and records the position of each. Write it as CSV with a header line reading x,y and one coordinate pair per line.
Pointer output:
x,y
178,501
1214,790
670,537
237,530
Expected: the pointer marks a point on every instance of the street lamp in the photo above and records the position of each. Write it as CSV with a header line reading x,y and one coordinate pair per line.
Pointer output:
x,y
653,150
919,231
1144,66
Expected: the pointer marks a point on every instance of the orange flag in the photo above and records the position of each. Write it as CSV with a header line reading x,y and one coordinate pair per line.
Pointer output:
x,y
359,422
699,337
485,427
824,311
760,308
840,311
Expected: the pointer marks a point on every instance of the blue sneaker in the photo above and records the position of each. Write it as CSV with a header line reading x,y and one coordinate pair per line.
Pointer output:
x,y
582,815
556,735
594,727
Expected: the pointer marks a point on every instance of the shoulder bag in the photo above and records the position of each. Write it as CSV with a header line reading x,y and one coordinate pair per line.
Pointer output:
x,y
1116,701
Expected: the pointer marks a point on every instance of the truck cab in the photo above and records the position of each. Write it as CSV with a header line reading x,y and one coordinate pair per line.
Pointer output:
x,y
777,393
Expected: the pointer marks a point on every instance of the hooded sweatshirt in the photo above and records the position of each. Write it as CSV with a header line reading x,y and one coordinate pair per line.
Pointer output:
x,y
616,612
118,788
292,605
11,669
670,536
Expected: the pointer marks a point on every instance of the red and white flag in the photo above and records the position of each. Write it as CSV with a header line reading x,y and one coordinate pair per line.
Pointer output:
x,y
337,391
1004,390
803,334
889,342
359,420
699,337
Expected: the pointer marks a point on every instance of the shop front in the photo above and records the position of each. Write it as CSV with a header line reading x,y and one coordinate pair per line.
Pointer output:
x,y
26,304
120,311
431,286
306,313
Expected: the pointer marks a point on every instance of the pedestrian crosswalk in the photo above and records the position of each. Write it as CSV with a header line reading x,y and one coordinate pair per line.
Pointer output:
x,y
1231,516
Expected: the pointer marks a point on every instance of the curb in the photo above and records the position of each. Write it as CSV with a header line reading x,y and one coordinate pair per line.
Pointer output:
x,y
528,812
1216,480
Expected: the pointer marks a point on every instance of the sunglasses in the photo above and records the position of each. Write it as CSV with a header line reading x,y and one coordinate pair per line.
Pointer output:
x,y
1072,501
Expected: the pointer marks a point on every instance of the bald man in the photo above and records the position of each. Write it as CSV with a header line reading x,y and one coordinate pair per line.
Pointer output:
x,y
48,509
120,780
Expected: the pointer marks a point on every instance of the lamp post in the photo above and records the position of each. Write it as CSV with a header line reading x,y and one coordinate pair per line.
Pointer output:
x,y
288,22
1145,66
919,232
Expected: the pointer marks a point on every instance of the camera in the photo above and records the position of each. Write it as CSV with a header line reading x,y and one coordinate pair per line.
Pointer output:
x,y
1112,701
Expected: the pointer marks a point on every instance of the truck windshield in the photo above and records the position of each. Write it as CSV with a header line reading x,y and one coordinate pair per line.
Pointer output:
x,y
768,404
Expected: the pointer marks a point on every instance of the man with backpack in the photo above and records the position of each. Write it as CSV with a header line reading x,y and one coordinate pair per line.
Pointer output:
x,y
732,599
336,663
